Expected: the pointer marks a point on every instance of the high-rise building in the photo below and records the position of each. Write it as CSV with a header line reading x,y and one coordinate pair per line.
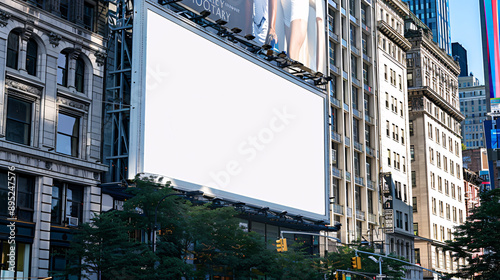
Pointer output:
x,y
436,154
52,57
353,119
436,15
393,123
473,107
459,53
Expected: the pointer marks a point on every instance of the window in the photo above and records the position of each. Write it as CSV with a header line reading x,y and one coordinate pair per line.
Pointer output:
x,y
31,56
459,190
454,214
67,204
385,71
18,121
79,75
64,8
406,222
62,69
410,126
435,231
413,179
446,187
415,206
404,164
448,211
453,194
431,155
437,135
388,157
460,216
387,100
402,136
412,153
434,206
13,50
440,184
88,16
68,129
433,180
441,209
25,195
430,130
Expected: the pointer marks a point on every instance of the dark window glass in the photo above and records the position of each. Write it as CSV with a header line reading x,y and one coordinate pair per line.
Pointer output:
x,y
88,16
67,135
31,57
74,202
62,69
18,121
56,207
12,50
79,75
24,189
64,8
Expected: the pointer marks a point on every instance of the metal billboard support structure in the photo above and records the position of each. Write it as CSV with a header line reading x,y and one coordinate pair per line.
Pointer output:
x,y
117,93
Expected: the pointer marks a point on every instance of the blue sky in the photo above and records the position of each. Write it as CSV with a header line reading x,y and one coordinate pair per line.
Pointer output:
x,y
466,29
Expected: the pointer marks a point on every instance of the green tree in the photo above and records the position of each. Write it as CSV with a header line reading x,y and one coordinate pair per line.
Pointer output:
x,y
104,248
480,234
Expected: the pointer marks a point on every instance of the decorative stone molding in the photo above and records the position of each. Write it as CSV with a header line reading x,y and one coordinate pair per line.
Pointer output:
x,y
28,29
54,39
72,103
100,58
13,84
4,18
77,50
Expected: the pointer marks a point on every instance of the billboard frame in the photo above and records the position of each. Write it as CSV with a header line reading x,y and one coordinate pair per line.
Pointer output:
x,y
137,115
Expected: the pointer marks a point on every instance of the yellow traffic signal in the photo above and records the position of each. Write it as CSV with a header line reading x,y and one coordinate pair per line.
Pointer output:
x,y
356,262
281,245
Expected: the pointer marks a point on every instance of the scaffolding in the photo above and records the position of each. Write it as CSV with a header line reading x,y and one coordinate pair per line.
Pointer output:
x,y
117,90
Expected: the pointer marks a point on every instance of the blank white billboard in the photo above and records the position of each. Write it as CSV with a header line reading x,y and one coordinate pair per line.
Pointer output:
x,y
215,120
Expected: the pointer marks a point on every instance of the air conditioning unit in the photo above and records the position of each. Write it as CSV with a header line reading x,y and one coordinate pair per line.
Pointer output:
x,y
118,205
72,221
334,156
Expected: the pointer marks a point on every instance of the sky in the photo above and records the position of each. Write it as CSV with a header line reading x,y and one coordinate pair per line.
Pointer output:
x,y
465,23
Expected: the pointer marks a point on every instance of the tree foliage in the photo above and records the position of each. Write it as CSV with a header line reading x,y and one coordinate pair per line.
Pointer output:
x,y
477,240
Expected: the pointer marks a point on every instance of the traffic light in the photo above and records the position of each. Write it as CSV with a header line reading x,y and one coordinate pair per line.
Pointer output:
x,y
356,262
281,245
339,275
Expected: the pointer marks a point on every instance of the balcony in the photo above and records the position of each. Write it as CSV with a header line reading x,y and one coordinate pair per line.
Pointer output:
x,y
368,88
370,185
369,119
347,142
359,180
338,209
370,151
348,176
345,75
365,27
342,10
346,107
335,101
372,218
354,50
366,58
356,112
358,146
333,4
360,215
336,137
344,43
349,212
353,19
356,82
334,36
334,68
337,173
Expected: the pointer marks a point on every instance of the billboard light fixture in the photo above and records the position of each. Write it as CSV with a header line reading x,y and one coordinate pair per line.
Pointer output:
x,y
249,37
236,30
221,22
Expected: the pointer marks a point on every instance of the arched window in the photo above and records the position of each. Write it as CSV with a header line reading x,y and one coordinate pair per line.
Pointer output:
x,y
79,75
13,50
62,69
31,56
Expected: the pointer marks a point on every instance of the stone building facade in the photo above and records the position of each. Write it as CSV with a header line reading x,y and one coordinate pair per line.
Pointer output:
x,y
52,56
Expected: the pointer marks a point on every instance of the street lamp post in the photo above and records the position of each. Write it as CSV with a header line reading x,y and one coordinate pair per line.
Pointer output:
x,y
155,226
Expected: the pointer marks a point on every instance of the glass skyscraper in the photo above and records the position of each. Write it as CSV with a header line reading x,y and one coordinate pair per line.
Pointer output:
x,y
436,14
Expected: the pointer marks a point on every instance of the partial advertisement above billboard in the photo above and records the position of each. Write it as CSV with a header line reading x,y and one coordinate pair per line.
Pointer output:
x,y
296,27
213,118
491,50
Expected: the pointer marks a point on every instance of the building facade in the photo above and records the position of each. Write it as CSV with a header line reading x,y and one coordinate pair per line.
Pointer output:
x,y
473,107
393,123
436,15
353,121
436,154
51,86
459,53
